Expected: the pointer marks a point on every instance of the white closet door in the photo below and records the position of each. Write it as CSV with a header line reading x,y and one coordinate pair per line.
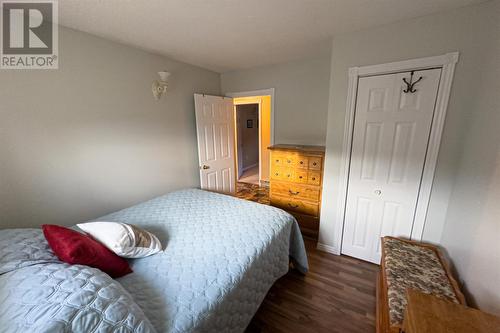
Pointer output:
x,y
215,132
391,134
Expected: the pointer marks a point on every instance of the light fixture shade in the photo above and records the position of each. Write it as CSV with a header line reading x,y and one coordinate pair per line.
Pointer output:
x,y
164,75
159,87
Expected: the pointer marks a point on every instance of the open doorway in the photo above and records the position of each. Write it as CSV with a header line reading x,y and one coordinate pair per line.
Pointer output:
x,y
247,143
253,134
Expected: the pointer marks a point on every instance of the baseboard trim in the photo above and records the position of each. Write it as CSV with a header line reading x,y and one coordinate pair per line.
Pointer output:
x,y
328,248
264,183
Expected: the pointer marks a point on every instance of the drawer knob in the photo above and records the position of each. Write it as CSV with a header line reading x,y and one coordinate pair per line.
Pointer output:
x,y
293,206
314,178
293,193
314,163
289,161
301,162
276,174
277,160
300,177
288,175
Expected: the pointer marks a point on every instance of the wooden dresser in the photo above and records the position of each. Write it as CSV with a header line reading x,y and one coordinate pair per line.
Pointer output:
x,y
296,183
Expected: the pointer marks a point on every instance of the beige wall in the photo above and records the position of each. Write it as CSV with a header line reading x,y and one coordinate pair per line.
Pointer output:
x,y
470,140
301,95
89,138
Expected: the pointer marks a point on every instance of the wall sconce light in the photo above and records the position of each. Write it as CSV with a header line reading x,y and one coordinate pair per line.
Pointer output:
x,y
159,87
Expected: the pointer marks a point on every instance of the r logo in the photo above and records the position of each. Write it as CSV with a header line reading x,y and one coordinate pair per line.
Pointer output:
x,y
27,28
29,34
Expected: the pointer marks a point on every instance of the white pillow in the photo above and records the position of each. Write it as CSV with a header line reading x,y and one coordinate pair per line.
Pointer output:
x,y
125,240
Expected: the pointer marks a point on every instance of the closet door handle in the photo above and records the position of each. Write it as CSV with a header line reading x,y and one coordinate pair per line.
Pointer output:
x,y
205,167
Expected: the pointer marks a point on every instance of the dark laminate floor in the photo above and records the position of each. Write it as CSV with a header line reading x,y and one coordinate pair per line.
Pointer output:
x,y
337,295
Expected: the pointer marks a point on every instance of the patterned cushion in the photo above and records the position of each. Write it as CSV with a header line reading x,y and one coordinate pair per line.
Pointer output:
x,y
412,266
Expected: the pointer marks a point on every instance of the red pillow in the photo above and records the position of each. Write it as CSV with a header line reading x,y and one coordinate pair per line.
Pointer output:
x,y
75,248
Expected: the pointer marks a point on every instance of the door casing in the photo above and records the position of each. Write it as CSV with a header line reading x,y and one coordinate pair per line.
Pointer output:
x,y
256,94
257,101
390,142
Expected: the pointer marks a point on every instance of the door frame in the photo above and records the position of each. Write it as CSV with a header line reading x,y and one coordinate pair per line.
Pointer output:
x,y
261,92
255,93
447,64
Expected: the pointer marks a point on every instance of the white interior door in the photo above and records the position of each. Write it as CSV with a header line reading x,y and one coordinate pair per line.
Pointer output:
x,y
391,134
215,132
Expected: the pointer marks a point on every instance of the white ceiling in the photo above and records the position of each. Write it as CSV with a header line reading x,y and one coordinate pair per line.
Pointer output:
x,y
225,35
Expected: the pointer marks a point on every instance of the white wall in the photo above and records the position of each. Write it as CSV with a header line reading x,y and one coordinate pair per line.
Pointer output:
x,y
473,31
89,138
301,95
472,231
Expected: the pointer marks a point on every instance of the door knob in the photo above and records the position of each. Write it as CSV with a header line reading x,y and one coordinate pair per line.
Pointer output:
x,y
378,192
205,167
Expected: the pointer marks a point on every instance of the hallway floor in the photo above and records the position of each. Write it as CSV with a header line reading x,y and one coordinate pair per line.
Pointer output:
x,y
250,176
253,192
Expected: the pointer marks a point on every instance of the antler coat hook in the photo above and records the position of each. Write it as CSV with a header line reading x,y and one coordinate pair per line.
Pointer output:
x,y
410,85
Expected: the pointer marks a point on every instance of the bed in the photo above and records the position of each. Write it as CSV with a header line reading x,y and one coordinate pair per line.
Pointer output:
x,y
221,255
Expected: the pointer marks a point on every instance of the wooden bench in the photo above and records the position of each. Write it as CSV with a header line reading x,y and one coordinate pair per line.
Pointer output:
x,y
410,265
426,313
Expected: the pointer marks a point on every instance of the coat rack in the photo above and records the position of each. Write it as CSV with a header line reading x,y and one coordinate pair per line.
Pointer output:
x,y
410,85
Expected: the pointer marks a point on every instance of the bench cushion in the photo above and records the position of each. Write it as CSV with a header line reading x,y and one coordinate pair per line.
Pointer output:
x,y
409,265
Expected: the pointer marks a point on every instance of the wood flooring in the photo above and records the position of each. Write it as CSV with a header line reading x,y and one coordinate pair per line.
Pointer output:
x,y
336,295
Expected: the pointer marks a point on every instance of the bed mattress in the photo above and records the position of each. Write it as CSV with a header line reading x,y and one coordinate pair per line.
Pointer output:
x,y
221,255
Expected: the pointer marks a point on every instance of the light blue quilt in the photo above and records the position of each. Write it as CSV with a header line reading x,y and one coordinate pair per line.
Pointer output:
x,y
40,294
221,255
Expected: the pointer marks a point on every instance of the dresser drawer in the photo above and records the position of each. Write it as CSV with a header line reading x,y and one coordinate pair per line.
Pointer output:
x,y
293,205
302,162
309,225
301,176
295,191
289,160
314,178
289,175
277,173
315,163
285,174
277,160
